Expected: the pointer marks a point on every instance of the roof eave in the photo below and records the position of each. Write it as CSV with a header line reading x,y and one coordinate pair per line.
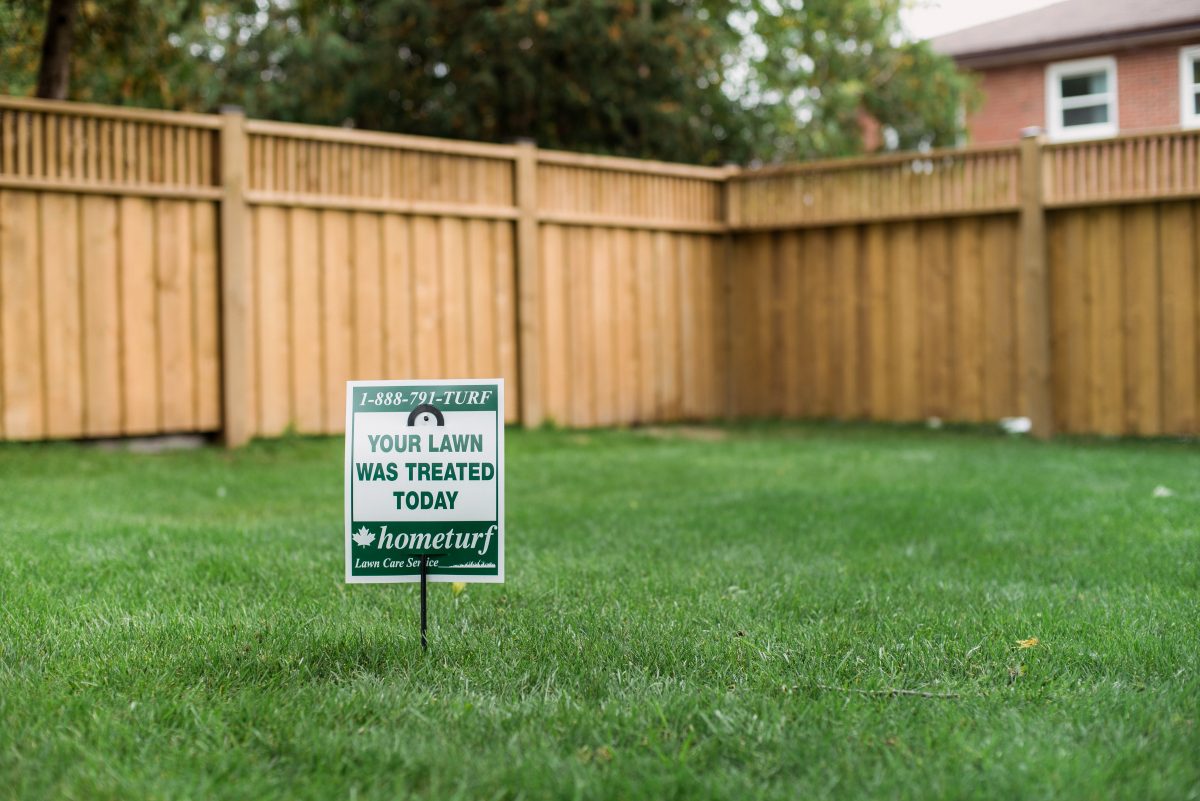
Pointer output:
x,y
1049,51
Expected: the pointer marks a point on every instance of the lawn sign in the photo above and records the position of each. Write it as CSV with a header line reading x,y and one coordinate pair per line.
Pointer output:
x,y
425,481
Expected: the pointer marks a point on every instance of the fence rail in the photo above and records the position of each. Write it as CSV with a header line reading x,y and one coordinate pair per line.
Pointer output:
x,y
62,146
937,184
1150,166
180,272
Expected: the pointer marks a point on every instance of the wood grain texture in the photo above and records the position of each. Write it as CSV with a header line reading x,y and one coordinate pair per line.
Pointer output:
x,y
878,325
238,408
337,357
505,320
62,321
848,279
174,282
140,409
398,304
554,343
905,322
306,381
649,391
1000,325
580,371
1180,324
936,340
1106,324
1141,329
273,341
101,322
367,314
967,320
20,316
795,389
206,319
428,297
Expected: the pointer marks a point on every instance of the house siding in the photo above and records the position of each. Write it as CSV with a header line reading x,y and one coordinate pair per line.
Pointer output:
x,y
1014,96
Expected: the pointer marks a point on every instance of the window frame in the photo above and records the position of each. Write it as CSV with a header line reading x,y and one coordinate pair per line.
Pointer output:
x,y
1055,106
1188,88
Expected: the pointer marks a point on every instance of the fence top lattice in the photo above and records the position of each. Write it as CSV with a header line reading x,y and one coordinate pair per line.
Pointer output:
x,y
84,147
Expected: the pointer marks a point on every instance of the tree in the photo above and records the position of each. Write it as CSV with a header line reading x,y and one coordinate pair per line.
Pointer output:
x,y
55,71
812,66
704,81
588,74
123,52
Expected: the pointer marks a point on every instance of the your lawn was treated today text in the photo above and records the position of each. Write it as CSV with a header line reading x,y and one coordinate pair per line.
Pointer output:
x,y
425,471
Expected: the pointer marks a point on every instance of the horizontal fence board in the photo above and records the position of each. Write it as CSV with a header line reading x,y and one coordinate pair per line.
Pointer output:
x,y
327,135
63,146
287,169
391,205
1144,166
912,186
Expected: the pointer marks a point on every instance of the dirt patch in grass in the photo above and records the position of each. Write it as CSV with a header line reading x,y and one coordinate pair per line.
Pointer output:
x,y
694,433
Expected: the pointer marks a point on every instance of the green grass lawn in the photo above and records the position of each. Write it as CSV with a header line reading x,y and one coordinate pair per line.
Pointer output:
x,y
685,617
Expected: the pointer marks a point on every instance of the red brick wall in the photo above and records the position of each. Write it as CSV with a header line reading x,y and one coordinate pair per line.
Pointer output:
x,y
1014,97
872,132
1148,88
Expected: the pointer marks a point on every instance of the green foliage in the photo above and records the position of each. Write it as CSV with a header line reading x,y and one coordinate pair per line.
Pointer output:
x,y
126,52
814,66
587,75
21,25
691,80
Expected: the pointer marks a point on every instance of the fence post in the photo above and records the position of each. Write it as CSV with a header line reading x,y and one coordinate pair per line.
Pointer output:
x,y
1033,312
528,318
236,336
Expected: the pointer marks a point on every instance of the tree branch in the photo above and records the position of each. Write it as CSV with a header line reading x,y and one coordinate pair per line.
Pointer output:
x,y
54,73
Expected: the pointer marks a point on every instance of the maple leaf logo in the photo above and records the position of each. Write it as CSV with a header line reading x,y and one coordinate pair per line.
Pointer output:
x,y
363,536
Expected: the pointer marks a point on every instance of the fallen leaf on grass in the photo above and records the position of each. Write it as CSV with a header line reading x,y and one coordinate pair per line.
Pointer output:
x,y
601,756
1030,643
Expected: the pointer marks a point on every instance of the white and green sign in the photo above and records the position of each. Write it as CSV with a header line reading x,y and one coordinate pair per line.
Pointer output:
x,y
425,476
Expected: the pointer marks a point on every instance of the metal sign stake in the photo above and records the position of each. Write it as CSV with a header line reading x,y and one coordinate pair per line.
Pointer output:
x,y
424,595
424,586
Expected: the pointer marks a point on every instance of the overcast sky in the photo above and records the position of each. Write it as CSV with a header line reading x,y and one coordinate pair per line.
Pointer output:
x,y
933,17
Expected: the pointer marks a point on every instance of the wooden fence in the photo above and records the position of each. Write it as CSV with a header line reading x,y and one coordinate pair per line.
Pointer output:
x,y
108,272
885,321
171,272
951,285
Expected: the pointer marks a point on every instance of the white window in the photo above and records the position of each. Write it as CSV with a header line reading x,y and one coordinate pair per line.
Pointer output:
x,y
1189,87
1081,98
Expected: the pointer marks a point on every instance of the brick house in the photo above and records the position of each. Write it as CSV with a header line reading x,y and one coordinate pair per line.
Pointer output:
x,y
1083,69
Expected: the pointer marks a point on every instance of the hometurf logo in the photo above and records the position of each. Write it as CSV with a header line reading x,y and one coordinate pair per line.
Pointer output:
x,y
478,541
